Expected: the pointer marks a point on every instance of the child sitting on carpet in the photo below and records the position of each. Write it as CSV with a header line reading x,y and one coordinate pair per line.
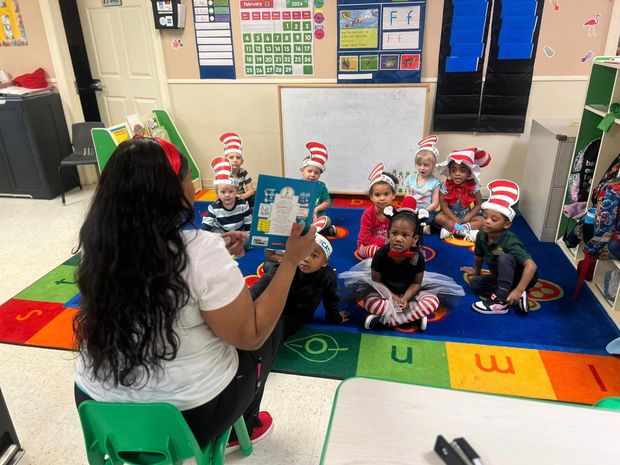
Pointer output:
x,y
229,213
374,224
459,195
513,271
314,281
311,169
390,284
422,184
233,151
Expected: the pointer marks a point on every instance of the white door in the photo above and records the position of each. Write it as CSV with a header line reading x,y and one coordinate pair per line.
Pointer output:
x,y
120,48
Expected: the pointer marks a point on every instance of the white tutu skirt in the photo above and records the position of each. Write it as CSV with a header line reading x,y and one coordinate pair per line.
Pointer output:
x,y
359,284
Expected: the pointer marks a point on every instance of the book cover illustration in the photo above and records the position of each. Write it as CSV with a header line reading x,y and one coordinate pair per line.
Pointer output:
x,y
280,202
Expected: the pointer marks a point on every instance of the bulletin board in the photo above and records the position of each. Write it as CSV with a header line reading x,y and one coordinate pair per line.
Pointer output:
x,y
566,44
380,41
356,124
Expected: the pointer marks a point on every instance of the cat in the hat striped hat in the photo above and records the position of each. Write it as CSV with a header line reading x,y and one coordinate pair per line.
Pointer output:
x,y
512,269
233,150
229,213
422,183
311,169
459,196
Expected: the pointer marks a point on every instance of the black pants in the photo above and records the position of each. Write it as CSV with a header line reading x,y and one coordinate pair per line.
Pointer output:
x,y
509,273
242,395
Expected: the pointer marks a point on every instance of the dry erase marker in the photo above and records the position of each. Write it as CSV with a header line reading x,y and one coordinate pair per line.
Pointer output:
x,y
469,451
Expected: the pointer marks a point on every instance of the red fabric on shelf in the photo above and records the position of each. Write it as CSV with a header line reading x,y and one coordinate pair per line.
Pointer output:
x,y
34,80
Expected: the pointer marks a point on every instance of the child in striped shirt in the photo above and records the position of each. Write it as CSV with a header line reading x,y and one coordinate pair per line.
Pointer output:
x,y
230,212
234,152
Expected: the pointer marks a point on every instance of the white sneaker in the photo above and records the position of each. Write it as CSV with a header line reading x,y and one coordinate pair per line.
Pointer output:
x,y
444,233
471,235
423,323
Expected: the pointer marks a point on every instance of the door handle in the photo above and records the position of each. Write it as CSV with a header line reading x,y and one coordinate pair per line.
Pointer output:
x,y
96,85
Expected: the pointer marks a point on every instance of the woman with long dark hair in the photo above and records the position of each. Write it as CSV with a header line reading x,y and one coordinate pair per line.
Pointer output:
x,y
165,314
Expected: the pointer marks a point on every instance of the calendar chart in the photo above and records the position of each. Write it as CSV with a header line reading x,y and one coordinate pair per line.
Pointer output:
x,y
277,37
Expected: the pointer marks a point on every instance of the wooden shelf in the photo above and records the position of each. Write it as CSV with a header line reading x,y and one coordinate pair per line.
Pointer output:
x,y
600,110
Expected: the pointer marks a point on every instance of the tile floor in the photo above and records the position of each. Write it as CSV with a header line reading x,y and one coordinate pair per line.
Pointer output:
x,y
38,235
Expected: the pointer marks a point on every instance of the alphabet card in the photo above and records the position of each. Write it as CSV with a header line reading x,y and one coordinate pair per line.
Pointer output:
x,y
380,40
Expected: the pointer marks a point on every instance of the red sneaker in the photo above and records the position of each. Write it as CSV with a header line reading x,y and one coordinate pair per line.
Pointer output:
x,y
264,425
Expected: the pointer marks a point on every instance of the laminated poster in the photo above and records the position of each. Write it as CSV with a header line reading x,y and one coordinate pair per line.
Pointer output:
x,y
277,37
280,202
380,40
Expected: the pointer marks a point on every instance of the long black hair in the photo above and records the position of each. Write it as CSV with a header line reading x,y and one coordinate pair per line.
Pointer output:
x,y
132,256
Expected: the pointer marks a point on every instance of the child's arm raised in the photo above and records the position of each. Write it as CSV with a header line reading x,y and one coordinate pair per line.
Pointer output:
x,y
474,211
529,268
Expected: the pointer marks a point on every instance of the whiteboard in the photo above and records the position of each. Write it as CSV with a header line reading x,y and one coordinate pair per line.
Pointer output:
x,y
360,126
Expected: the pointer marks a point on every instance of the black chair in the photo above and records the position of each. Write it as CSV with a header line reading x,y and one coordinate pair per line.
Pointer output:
x,y
83,151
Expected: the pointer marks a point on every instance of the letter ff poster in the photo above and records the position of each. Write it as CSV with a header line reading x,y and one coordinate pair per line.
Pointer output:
x,y
380,40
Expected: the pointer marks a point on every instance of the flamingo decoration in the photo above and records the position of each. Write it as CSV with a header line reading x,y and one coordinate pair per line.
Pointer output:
x,y
590,24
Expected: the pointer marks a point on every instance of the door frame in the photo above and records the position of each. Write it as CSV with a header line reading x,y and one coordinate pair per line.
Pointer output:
x,y
61,60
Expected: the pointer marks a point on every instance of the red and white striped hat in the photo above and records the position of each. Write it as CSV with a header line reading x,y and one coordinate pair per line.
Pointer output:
x,y
428,144
222,169
320,224
318,155
377,175
462,157
232,142
482,157
504,194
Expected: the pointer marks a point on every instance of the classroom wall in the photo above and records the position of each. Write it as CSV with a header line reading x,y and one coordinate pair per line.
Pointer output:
x,y
562,30
27,58
204,111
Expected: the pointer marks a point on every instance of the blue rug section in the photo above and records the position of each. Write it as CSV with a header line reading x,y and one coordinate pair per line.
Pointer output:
x,y
581,326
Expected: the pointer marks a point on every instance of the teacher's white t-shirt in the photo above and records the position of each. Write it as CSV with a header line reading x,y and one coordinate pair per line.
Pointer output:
x,y
204,364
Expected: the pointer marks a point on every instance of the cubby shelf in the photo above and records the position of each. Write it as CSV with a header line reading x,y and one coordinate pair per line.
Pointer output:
x,y
603,90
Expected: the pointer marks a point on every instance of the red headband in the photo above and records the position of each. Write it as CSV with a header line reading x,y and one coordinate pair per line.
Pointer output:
x,y
172,153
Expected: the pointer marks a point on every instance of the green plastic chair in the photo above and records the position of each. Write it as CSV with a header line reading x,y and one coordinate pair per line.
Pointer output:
x,y
148,434
612,403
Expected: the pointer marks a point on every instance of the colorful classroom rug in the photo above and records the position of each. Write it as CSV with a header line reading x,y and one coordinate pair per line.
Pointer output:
x,y
555,352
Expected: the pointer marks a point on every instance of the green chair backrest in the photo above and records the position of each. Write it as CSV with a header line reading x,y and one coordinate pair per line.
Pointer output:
x,y
612,403
137,434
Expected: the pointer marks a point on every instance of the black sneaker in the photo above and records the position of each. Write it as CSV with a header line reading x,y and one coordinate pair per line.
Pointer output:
x,y
331,231
374,322
492,306
524,305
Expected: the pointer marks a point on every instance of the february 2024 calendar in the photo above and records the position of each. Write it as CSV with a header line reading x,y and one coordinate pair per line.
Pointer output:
x,y
277,37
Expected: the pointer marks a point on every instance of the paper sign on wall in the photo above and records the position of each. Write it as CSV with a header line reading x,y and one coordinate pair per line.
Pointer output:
x,y
380,40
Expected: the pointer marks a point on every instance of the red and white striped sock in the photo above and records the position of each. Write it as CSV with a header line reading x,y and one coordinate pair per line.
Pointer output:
x,y
375,304
367,251
423,305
